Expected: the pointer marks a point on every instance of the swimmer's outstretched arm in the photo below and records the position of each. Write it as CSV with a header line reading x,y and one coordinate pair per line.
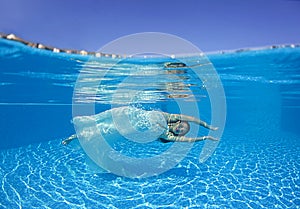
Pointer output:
x,y
69,139
173,118
173,138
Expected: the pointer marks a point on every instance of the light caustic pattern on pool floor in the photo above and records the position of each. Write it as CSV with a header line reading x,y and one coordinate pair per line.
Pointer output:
x,y
241,174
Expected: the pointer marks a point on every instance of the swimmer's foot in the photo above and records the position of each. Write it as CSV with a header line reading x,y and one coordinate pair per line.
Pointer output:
x,y
65,142
68,140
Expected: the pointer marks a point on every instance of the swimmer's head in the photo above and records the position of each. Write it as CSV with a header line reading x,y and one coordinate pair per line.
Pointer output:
x,y
180,128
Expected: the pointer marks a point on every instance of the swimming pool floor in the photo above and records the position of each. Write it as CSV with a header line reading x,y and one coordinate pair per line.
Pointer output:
x,y
243,173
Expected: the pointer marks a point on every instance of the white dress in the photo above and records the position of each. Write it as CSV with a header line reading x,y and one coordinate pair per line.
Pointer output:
x,y
132,123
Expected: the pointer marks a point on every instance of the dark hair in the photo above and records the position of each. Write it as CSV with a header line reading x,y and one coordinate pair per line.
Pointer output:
x,y
188,129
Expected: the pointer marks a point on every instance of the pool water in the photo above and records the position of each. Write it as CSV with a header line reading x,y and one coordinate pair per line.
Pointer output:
x,y
256,164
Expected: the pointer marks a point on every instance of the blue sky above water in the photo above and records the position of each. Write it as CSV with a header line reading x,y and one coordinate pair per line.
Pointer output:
x,y
209,24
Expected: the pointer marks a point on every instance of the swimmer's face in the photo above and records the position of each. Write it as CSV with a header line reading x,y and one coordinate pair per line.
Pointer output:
x,y
181,128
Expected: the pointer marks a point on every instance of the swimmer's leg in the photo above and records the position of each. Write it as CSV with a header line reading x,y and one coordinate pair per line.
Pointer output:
x,y
69,139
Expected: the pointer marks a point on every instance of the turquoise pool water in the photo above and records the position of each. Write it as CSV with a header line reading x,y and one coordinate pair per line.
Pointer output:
x,y
256,164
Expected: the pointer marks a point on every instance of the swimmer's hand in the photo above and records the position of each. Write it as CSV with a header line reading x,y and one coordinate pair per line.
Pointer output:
x,y
212,138
213,128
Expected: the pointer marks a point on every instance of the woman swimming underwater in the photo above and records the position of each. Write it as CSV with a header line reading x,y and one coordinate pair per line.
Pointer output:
x,y
170,127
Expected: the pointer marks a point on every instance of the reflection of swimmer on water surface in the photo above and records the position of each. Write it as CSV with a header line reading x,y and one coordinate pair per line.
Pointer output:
x,y
178,88
177,125
172,65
